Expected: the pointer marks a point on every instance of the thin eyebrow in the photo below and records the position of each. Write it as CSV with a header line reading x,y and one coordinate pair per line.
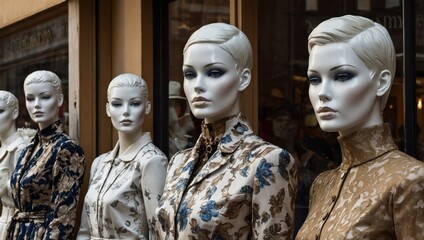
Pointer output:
x,y
207,65
344,65
120,99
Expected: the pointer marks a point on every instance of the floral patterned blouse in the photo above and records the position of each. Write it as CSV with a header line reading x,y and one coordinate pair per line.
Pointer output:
x,y
45,187
245,189
10,150
124,192
376,193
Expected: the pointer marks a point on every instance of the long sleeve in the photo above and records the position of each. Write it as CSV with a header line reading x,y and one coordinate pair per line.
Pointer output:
x,y
84,230
274,193
408,207
68,175
152,182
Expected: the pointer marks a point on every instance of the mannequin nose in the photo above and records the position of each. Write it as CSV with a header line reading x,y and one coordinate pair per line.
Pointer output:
x,y
126,112
199,84
37,103
325,91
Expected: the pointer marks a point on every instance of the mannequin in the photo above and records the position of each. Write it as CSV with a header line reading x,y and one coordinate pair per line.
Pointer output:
x,y
180,122
377,191
48,176
12,142
126,182
212,189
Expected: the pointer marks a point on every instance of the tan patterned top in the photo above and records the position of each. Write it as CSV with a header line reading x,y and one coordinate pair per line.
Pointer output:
x,y
376,193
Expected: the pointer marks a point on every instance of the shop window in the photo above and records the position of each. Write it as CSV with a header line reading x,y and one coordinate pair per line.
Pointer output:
x,y
286,117
36,44
185,17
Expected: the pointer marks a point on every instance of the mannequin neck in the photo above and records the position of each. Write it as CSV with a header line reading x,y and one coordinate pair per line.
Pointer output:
x,y
7,133
127,139
374,118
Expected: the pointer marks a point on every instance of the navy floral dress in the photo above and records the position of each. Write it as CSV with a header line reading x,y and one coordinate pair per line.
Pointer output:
x,y
45,187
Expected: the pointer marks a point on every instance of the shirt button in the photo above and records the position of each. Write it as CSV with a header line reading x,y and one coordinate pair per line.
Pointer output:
x,y
333,199
343,175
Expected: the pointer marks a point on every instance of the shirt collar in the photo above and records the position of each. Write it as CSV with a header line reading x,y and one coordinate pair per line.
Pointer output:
x,y
11,143
233,131
131,151
365,145
49,132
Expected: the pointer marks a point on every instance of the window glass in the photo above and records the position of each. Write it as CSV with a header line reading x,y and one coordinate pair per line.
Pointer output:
x,y
43,46
185,17
419,31
286,117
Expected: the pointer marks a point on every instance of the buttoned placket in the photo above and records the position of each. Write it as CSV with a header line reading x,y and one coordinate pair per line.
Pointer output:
x,y
333,199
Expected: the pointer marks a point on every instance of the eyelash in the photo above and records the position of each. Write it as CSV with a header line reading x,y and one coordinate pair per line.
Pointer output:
x,y
341,77
313,80
189,75
134,104
213,73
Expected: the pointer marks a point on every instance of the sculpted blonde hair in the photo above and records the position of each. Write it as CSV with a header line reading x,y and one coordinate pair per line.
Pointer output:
x,y
9,99
227,37
44,76
368,39
128,80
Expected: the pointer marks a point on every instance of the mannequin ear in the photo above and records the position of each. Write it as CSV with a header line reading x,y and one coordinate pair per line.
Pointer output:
x,y
245,77
60,100
148,107
384,82
15,114
107,109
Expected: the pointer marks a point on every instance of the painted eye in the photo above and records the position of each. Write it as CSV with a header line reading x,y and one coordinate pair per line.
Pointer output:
x,y
1,110
46,97
135,104
343,77
189,75
314,80
30,99
215,73
116,104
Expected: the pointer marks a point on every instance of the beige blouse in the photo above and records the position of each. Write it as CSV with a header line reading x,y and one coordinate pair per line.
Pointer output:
x,y
124,192
376,193
9,153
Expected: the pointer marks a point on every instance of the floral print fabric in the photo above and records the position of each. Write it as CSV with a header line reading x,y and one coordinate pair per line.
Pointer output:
x,y
124,192
9,153
245,190
376,193
45,187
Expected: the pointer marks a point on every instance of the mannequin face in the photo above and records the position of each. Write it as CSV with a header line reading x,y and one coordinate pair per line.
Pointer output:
x,y
7,118
127,108
43,103
341,89
211,82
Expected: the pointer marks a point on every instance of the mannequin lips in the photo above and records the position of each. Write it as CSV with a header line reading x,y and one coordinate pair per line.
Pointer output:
x,y
38,114
326,112
126,121
200,101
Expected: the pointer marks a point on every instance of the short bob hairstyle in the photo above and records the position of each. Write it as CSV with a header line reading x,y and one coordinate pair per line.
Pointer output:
x,y
227,37
368,39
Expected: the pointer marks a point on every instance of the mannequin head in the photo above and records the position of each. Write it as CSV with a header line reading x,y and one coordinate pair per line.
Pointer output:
x,y
127,103
217,68
351,69
43,94
9,111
